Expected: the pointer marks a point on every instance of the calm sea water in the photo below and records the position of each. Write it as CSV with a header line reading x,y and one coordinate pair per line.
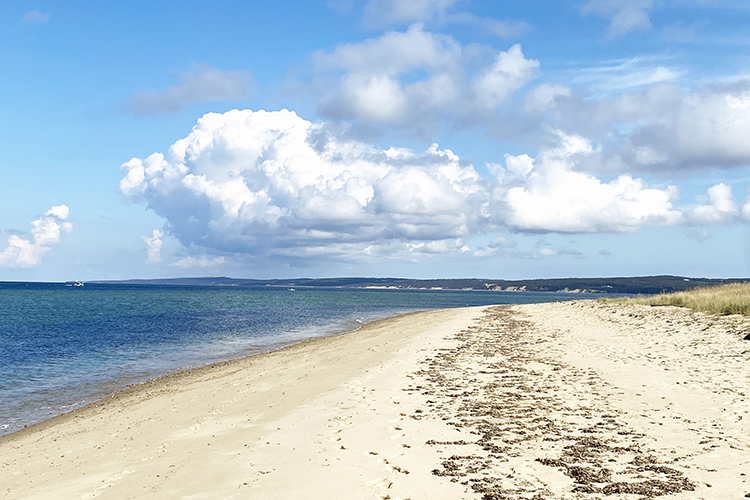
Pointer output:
x,y
62,347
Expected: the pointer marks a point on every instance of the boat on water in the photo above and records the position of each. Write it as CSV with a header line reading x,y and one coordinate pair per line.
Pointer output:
x,y
78,283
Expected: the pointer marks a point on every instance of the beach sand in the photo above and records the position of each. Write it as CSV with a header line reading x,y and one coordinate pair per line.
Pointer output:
x,y
574,400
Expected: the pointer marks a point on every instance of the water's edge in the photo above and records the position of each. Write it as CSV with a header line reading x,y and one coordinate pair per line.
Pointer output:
x,y
189,372
64,348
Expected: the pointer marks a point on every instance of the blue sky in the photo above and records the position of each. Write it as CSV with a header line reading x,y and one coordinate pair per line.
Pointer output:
x,y
431,138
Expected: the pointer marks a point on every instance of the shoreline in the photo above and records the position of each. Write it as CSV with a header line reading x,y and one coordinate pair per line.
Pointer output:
x,y
174,376
126,383
556,401
61,387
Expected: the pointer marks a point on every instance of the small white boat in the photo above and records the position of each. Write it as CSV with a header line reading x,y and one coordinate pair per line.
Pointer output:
x,y
78,283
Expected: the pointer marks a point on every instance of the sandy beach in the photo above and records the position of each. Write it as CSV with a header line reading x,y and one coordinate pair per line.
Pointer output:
x,y
572,400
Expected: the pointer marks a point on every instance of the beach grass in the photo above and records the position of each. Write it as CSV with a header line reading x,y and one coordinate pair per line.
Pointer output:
x,y
721,300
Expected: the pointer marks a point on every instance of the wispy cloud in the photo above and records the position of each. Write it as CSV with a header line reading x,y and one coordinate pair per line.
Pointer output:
x,y
505,29
618,75
203,83
35,17
391,13
384,13
202,262
683,33
624,15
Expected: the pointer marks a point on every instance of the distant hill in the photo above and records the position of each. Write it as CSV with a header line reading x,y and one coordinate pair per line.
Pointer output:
x,y
626,285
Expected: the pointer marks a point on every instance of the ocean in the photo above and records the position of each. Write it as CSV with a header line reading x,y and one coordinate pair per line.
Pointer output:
x,y
62,347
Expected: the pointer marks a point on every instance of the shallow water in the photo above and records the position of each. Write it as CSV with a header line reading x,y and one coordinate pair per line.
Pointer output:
x,y
62,347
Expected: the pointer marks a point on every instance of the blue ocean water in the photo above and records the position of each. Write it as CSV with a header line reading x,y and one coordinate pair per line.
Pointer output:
x,y
62,347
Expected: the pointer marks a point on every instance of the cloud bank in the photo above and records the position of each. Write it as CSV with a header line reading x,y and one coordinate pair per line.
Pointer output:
x,y
274,185
661,128
45,233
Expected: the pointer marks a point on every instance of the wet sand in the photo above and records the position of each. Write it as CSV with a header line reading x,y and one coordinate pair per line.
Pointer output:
x,y
571,400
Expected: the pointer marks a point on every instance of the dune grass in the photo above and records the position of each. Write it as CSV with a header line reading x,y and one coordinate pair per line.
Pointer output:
x,y
722,300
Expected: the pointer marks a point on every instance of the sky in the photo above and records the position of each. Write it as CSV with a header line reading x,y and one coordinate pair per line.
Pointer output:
x,y
391,138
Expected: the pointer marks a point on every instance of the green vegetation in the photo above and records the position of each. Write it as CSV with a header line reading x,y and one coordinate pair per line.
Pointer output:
x,y
722,300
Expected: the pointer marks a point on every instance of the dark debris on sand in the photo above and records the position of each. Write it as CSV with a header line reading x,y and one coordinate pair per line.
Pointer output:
x,y
498,386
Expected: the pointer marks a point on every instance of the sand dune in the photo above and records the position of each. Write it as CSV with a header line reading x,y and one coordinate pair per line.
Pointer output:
x,y
547,401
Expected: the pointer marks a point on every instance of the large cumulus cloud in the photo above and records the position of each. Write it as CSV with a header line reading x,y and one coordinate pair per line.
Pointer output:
x,y
547,194
259,182
273,184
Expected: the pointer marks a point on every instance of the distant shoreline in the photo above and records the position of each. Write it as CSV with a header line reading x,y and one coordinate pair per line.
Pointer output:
x,y
646,285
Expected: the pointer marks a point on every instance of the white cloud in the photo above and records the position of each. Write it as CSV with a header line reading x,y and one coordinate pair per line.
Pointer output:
x,y
645,155
519,165
45,232
271,185
544,97
407,78
438,247
340,6
498,245
552,196
746,209
696,233
389,13
551,252
509,73
203,83
372,88
705,127
266,182
720,209
202,261
661,128
153,246
35,17
504,29
618,75
383,13
379,98
624,15
508,28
